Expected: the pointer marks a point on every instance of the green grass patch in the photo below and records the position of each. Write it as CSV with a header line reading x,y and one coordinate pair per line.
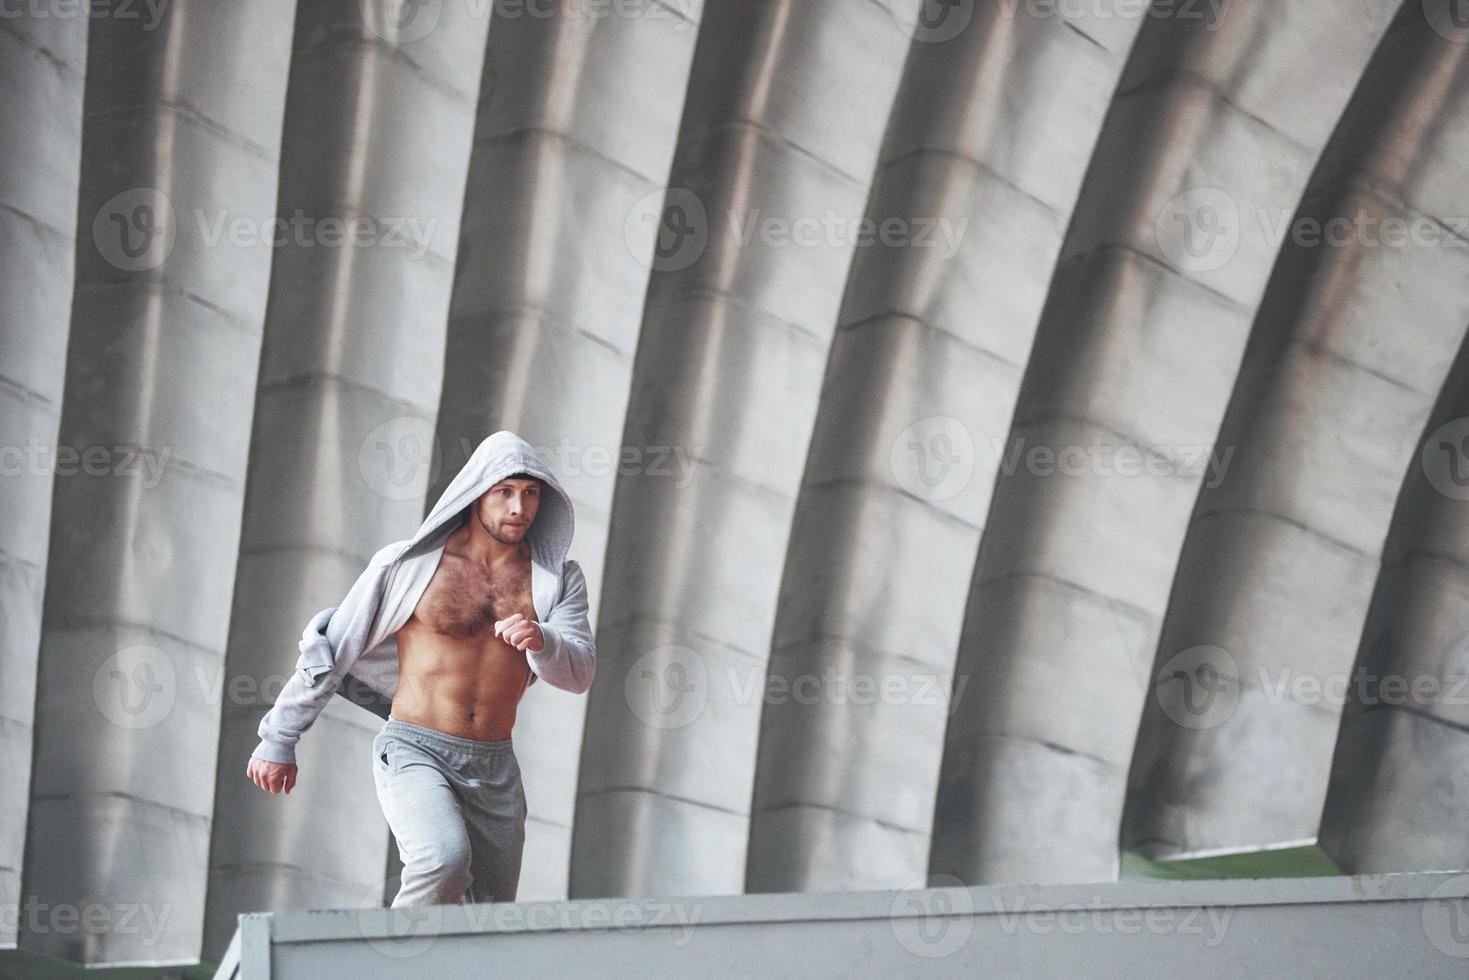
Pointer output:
x,y
1286,862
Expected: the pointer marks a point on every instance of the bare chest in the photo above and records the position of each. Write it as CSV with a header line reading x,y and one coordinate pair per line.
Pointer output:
x,y
463,599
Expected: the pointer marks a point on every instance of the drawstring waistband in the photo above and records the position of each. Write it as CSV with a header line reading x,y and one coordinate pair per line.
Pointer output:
x,y
456,743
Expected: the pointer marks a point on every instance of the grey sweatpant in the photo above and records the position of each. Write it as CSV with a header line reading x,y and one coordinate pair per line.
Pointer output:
x,y
457,810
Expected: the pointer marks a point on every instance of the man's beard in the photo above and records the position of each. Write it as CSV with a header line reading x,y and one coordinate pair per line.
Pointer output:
x,y
498,536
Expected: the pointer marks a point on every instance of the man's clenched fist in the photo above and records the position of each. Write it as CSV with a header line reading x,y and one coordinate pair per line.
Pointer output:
x,y
521,633
273,777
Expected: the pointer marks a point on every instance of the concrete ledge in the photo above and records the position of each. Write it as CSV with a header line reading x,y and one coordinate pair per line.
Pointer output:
x,y
1394,925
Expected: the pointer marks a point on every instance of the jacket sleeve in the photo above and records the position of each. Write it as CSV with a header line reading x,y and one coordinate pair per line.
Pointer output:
x,y
294,711
569,658
319,671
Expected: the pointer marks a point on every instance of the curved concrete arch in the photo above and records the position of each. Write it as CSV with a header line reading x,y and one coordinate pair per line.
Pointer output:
x,y
137,599
934,337
783,121
1077,561
1394,802
348,387
577,121
42,65
1277,573
818,436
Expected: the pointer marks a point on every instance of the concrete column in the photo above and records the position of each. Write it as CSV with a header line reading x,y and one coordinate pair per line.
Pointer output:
x,y
979,174
1346,358
377,134
180,152
578,116
783,122
1128,379
42,61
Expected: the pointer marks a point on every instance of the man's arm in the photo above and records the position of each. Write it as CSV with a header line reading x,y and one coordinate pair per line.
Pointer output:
x,y
294,711
307,691
568,659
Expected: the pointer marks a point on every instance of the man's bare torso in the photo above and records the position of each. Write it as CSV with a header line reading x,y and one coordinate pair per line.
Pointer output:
x,y
455,674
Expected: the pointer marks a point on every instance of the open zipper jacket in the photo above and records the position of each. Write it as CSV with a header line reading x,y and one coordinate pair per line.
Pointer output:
x,y
351,649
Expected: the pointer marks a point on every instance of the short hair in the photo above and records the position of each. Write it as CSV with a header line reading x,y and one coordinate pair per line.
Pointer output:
x,y
520,476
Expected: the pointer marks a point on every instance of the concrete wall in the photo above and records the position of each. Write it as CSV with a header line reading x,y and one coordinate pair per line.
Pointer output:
x,y
961,418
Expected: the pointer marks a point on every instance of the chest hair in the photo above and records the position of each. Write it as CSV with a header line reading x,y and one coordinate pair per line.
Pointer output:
x,y
464,600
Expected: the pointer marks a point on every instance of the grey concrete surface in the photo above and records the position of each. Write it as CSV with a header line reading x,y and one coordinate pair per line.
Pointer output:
x,y
42,67
930,376
1135,356
1408,926
180,135
347,390
575,132
1327,416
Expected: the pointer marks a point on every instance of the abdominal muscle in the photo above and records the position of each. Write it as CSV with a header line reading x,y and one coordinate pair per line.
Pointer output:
x,y
454,674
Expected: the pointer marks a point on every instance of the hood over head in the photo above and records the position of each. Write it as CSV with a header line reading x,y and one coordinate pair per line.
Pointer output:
x,y
501,455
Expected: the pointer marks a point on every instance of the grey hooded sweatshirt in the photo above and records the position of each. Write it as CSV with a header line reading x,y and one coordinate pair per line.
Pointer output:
x,y
351,649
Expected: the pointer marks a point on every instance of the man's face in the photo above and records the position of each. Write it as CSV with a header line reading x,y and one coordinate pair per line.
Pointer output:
x,y
507,510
